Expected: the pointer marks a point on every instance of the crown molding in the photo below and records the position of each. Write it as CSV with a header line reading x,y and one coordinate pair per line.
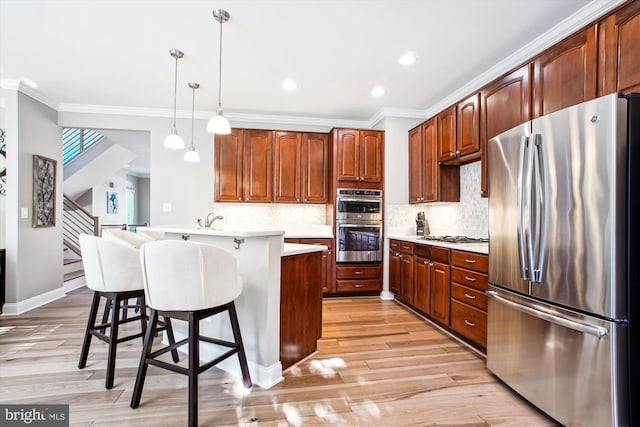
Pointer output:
x,y
563,29
16,84
294,120
9,84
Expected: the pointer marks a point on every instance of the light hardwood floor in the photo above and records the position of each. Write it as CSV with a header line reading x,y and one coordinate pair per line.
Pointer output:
x,y
377,365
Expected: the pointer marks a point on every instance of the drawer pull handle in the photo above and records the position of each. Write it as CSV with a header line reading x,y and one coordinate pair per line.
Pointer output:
x,y
358,285
469,323
358,272
470,296
470,261
405,247
471,279
425,262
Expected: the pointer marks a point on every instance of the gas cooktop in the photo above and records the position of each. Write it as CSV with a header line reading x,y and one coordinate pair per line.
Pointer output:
x,y
455,239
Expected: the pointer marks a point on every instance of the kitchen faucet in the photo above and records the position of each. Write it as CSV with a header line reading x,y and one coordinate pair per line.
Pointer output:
x,y
209,223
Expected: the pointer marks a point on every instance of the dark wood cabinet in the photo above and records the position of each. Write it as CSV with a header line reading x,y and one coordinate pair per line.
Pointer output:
x,y
619,52
446,131
565,74
429,180
406,272
258,165
439,303
228,166
395,258
358,157
358,278
315,168
468,128
505,103
326,269
421,284
287,162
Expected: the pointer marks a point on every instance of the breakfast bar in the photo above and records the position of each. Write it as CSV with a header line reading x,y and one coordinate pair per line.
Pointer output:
x,y
270,340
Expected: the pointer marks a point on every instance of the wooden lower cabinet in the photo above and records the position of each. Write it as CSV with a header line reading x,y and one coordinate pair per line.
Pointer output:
x,y
354,277
469,322
421,284
406,281
300,306
439,304
326,269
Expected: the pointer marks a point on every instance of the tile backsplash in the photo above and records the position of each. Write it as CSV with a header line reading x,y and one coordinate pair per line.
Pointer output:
x,y
270,214
469,217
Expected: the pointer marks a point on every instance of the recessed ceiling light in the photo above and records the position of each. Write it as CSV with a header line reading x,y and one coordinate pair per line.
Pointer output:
x,y
407,59
377,91
289,84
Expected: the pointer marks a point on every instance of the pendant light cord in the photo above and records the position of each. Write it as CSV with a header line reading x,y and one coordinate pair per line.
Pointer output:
x,y
193,106
220,71
175,93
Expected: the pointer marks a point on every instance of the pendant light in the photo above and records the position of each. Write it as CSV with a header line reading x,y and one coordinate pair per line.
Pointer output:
x,y
191,155
218,124
175,141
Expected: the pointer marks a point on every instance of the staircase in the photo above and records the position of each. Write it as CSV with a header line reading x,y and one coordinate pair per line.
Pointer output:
x,y
75,221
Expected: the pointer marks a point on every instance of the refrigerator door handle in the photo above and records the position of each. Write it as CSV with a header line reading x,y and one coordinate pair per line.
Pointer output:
x,y
521,194
552,318
538,210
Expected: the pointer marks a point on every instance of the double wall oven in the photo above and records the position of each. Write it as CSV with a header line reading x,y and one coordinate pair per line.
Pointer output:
x,y
358,225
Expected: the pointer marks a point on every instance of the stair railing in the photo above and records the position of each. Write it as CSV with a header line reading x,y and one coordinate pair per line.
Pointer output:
x,y
75,221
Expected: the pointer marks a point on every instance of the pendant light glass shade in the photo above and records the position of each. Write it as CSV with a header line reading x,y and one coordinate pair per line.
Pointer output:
x,y
191,155
175,141
218,124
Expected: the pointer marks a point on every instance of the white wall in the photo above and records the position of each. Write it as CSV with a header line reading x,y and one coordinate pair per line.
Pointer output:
x,y
143,194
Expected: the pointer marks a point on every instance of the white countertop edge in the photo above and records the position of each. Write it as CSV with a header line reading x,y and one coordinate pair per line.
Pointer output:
x,y
307,236
481,248
299,248
220,233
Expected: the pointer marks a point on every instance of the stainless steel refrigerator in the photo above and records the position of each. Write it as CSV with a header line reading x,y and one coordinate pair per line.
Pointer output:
x,y
562,263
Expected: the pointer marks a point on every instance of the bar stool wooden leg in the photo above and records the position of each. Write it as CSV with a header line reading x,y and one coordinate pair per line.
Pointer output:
x,y
143,316
246,378
146,351
171,338
113,341
93,313
194,365
107,309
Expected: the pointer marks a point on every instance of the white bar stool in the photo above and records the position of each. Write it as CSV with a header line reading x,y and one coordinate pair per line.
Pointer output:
x,y
112,271
189,281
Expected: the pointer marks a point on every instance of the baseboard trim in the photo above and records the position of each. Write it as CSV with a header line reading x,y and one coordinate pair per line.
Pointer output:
x,y
20,307
73,284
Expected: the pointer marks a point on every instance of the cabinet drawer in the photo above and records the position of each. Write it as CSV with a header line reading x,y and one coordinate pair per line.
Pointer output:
x,y
470,296
406,247
469,322
423,251
394,245
470,260
362,272
469,278
440,254
358,285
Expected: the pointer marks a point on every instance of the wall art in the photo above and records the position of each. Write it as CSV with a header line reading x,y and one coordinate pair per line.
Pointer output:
x,y
44,192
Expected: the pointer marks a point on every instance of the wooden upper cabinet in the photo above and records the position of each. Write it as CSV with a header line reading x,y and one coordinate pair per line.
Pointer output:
x,y
430,180
565,74
315,168
348,155
228,166
416,165
619,52
258,165
468,124
446,130
505,103
358,157
370,156
287,162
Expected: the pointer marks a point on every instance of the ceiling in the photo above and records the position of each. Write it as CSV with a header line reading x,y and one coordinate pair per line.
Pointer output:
x,y
115,53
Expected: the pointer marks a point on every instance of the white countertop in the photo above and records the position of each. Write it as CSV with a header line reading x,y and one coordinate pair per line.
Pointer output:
x,y
298,248
481,248
230,232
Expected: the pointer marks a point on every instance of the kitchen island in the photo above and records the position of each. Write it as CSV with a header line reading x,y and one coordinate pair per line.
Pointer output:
x,y
262,259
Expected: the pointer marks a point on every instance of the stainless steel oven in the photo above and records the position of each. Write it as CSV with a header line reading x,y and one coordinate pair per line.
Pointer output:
x,y
358,225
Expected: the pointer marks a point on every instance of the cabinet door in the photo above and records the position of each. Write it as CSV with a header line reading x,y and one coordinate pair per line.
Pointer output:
x,y
447,134
565,74
258,165
468,124
421,289
430,160
370,156
416,164
406,279
315,168
228,166
287,156
619,53
348,155
506,103
439,304
394,273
